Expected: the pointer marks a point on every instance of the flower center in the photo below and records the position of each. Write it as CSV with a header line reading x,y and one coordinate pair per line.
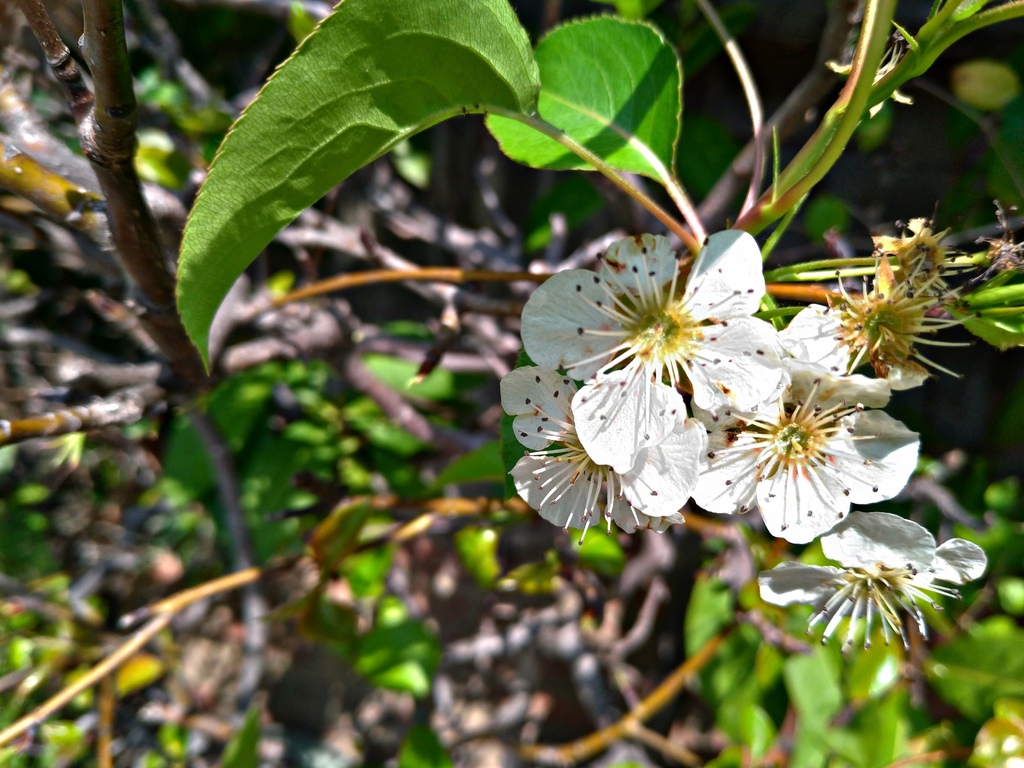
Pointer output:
x,y
792,441
665,334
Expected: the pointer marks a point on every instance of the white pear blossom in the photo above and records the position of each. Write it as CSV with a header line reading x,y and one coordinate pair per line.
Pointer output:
x,y
570,476
889,565
630,315
806,458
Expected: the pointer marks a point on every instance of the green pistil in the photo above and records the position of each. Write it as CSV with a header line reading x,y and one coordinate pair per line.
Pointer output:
x,y
664,334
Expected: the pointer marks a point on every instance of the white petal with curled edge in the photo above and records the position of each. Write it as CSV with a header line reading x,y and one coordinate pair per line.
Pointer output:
x,y
726,280
539,399
738,365
877,463
619,414
728,482
867,538
812,336
557,318
639,265
799,504
573,500
665,474
792,583
631,521
959,561
830,390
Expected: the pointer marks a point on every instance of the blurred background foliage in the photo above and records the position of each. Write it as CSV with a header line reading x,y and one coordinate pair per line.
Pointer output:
x,y
415,617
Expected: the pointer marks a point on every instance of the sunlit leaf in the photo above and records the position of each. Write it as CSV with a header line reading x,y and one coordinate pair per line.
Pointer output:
x,y
373,73
613,86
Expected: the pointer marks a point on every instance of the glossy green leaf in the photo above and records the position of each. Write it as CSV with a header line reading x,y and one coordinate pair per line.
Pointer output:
x,y
481,464
243,749
140,671
1001,331
478,550
401,657
373,73
975,670
422,749
599,552
614,87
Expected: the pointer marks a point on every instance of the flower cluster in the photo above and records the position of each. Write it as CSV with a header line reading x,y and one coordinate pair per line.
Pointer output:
x,y
654,384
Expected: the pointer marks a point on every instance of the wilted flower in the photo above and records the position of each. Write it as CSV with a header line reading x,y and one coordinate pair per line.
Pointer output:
x,y
806,458
889,565
884,326
629,315
569,477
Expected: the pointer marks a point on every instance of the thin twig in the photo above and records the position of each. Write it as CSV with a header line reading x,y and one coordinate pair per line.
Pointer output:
x,y
254,606
63,66
124,407
750,93
792,113
422,274
669,749
161,613
588,746
53,194
105,727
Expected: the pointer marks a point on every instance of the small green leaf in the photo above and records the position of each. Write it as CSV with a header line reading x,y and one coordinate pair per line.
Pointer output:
x,y
1001,331
478,548
825,212
422,749
373,73
533,578
338,535
633,9
480,464
600,553
611,85
401,657
243,750
139,671
985,84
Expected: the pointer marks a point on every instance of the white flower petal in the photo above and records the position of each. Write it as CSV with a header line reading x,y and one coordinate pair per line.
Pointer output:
x,y
830,390
866,539
639,265
799,505
560,320
665,474
566,504
877,462
539,399
632,521
790,583
738,365
726,280
619,414
959,561
906,376
728,483
812,336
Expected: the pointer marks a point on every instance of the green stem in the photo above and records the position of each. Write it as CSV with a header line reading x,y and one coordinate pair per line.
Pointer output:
x,y
692,243
826,146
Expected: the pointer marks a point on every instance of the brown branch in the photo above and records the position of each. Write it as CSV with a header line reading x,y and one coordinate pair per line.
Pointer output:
x,y
424,274
63,66
105,727
51,193
108,140
162,613
588,746
124,407
791,114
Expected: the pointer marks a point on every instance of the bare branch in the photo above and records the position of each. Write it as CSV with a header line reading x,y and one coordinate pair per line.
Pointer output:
x,y
108,140
64,68
124,407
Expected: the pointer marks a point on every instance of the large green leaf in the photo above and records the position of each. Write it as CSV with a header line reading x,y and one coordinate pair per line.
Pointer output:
x,y
611,85
372,74
975,670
